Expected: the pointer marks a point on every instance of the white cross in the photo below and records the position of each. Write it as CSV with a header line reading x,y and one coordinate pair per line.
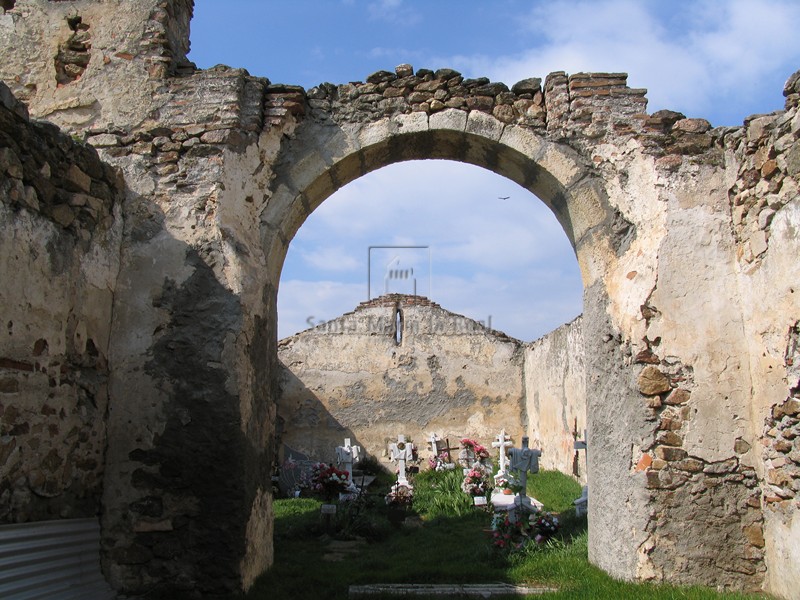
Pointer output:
x,y
434,442
345,456
502,442
401,451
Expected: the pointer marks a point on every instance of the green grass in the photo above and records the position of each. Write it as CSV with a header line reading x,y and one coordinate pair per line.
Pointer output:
x,y
438,494
447,544
554,489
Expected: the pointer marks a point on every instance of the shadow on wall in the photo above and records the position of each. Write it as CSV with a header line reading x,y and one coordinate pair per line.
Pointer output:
x,y
307,427
183,473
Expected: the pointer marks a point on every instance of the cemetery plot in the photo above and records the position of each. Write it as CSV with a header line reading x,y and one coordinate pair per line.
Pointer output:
x,y
446,546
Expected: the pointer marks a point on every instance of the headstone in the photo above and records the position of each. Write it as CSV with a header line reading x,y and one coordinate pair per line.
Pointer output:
x,y
294,472
471,452
440,461
466,458
524,460
401,452
434,442
345,457
582,503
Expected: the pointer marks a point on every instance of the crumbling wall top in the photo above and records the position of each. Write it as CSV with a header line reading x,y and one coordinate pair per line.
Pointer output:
x,y
72,62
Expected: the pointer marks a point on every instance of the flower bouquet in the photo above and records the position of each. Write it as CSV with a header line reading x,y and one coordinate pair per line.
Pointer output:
x,y
398,502
545,526
508,483
510,534
400,496
477,481
471,453
441,462
327,481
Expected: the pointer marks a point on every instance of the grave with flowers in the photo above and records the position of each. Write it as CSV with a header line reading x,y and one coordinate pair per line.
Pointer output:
x,y
520,461
531,526
440,459
474,458
404,454
328,482
472,452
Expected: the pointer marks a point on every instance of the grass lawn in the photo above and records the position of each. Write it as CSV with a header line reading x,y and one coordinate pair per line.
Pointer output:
x,y
445,541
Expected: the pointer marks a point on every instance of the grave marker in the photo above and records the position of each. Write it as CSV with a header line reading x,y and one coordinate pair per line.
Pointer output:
x,y
524,460
502,442
441,463
434,442
582,503
401,452
345,457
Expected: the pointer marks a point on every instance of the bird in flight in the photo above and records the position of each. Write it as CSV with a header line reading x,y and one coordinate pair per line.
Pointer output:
x,y
503,197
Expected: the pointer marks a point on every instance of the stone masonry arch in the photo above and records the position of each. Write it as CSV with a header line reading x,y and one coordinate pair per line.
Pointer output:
x,y
319,159
177,206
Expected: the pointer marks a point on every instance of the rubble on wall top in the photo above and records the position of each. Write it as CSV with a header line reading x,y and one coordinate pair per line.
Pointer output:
x,y
397,299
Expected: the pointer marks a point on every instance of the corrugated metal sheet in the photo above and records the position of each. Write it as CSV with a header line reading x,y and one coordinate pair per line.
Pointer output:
x,y
52,559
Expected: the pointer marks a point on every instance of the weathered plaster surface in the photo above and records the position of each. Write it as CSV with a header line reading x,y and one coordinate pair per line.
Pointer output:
x,y
349,377
765,207
124,47
555,396
59,258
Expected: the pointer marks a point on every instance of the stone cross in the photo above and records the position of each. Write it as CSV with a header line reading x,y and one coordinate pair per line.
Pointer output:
x,y
582,503
401,452
523,460
345,456
434,442
502,442
579,445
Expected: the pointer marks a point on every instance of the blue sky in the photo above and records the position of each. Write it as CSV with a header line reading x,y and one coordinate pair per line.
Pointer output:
x,y
507,260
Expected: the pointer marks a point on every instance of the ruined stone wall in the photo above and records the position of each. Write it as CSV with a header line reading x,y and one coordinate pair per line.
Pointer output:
x,y
356,377
190,450
74,62
685,236
644,200
678,339
555,397
191,388
448,376
765,205
60,234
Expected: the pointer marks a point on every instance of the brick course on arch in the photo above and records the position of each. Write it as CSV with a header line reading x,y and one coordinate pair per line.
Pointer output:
x,y
685,236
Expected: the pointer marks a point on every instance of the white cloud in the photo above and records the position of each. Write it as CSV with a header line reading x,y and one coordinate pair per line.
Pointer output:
x,y
302,304
392,11
381,52
505,258
330,258
707,51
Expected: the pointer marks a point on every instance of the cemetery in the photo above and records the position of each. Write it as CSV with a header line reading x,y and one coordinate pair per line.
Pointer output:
x,y
149,411
449,543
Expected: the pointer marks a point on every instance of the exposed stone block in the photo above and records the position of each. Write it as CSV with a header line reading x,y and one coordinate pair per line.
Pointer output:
x,y
652,381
